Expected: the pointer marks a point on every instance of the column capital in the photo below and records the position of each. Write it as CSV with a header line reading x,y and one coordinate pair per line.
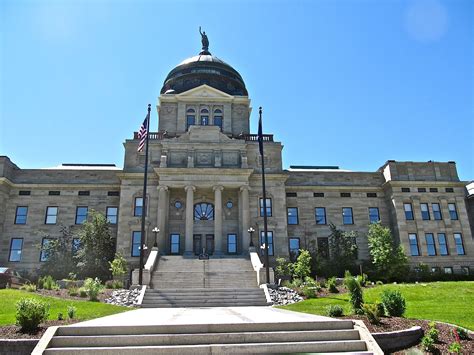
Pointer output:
x,y
244,187
188,187
162,187
218,187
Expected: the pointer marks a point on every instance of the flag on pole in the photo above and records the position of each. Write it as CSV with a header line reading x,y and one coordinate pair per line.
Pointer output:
x,y
260,134
142,133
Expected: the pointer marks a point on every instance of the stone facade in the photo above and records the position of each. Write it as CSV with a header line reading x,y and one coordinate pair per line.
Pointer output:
x,y
207,164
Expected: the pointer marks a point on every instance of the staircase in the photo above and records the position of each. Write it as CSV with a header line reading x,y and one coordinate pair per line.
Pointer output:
x,y
330,336
217,282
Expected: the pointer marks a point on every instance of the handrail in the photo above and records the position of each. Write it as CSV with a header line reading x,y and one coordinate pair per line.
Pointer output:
x,y
248,137
256,263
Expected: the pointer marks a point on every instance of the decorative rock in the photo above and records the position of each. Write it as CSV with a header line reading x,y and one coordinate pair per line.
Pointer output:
x,y
283,295
124,297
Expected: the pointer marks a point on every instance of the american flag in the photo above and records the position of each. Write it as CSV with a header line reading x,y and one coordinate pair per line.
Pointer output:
x,y
142,134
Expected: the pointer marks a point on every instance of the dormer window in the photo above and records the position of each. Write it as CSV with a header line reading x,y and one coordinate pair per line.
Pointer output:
x,y
218,118
204,117
190,118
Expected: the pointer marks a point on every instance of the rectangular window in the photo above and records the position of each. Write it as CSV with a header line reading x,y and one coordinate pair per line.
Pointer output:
x,y
174,243
232,243
218,121
16,247
405,189
84,193
345,194
24,193
465,270
112,214
269,207
459,243
136,241
425,212
44,252
51,215
374,216
449,189
291,194
54,193
435,270
318,194
453,212
292,215
21,214
347,215
76,244
81,214
270,242
448,270
320,213
138,207
430,244
443,245
371,194
414,251
436,211
323,247
408,211
190,121
422,189
113,193
433,189
294,244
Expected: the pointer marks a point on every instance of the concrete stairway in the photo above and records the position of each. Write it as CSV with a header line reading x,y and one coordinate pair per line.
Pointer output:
x,y
189,282
329,336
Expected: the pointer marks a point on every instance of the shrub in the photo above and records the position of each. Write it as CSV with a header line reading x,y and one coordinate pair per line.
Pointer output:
x,y
356,297
455,348
93,287
362,279
379,283
82,292
118,266
109,284
283,268
372,312
393,303
332,286
309,292
48,283
30,313
334,311
28,287
462,333
302,267
427,344
73,291
71,311
432,332
60,316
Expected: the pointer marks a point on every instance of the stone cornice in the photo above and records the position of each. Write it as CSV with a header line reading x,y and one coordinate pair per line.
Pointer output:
x,y
89,186
424,183
333,187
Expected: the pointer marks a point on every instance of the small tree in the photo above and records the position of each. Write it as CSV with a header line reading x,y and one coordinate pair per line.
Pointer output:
x,y
97,247
342,250
302,267
388,259
58,255
118,267
284,268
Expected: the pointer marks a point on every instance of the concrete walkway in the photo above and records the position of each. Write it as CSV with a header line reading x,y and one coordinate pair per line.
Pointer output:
x,y
211,315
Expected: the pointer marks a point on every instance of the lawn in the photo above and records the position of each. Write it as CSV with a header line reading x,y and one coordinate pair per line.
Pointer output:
x,y
451,302
85,309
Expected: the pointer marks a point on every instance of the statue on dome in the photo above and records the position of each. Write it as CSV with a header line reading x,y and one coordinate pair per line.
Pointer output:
x,y
204,40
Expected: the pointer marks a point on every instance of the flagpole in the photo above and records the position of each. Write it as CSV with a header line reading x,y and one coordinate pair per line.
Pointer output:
x,y
264,193
145,177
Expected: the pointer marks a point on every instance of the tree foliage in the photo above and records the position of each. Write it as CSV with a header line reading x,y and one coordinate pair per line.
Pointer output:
x,y
58,255
97,247
302,268
389,260
342,252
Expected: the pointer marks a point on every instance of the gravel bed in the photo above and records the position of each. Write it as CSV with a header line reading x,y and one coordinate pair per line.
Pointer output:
x,y
124,297
283,295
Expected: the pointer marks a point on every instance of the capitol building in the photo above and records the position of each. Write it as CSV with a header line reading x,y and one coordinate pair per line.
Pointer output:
x,y
204,189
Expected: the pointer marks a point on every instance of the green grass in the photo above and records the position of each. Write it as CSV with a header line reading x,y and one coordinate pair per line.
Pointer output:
x,y
451,302
85,309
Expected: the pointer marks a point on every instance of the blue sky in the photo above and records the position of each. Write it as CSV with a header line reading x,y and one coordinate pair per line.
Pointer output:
x,y
346,82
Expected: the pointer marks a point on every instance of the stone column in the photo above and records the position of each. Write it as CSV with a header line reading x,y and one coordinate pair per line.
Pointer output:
x,y
162,213
218,218
188,244
244,197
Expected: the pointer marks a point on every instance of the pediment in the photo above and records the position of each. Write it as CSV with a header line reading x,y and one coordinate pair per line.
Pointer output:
x,y
205,92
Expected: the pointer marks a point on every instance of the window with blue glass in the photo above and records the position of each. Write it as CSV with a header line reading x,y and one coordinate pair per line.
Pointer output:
x,y
81,214
204,117
347,215
45,250
204,211
21,214
174,243
292,215
76,245
16,247
294,244
408,211
425,212
453,213
270,242
268,205
443,244
430,244
231,243
138,207
51,215
413,239
320,215
436,211
218,118
136,241
374,216
190,118
459,243
112,214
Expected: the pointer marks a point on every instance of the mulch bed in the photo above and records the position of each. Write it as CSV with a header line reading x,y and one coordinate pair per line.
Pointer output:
x,y
13,331
63,293
446,336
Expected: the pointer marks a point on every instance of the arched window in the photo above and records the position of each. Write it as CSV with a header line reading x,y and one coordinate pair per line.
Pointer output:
x,y
203,211
204,117
218,118
190,117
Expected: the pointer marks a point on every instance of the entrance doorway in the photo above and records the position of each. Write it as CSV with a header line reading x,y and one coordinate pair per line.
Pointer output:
x,y
203,243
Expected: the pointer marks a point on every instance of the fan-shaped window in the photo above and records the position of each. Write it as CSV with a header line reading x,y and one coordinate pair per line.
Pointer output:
x,y
217,110
190,110
204,110
204,212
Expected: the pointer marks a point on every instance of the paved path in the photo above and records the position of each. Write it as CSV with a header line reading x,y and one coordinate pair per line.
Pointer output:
x,y
211,315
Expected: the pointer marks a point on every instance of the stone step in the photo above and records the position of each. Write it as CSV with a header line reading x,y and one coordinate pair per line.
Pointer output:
x,y
198,296
204,305
205,290
280,347
203,338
